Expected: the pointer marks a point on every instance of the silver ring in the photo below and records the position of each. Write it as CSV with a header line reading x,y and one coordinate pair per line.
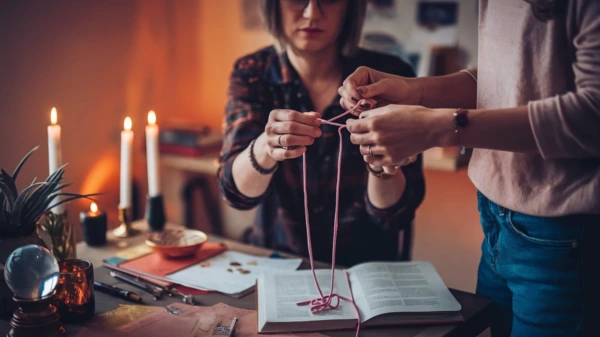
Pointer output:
x,y
281,146
369,150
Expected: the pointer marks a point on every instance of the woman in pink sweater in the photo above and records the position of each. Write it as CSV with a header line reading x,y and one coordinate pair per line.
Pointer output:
x,y
531,111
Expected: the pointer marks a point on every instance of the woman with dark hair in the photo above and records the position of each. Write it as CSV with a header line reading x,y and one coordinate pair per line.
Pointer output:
x,y
531,111
275,98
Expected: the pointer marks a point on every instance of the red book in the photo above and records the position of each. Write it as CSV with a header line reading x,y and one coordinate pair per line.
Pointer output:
x,y
157,266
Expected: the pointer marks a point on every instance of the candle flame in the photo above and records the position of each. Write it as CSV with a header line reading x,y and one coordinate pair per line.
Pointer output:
x,y
53,116
94,207
127,123
151,117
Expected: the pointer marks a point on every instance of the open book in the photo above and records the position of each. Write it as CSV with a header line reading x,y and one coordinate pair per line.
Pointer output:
x,y
386,293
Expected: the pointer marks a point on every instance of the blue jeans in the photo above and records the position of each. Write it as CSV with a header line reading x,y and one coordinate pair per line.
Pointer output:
x,y
540,272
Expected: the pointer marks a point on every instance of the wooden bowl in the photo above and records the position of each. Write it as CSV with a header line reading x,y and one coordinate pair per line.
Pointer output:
x,y
174,243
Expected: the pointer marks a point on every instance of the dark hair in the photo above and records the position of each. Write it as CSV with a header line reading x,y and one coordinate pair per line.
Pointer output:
x,y
545,10
351,29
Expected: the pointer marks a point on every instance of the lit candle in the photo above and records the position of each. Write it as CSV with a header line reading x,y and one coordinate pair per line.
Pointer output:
x,y
152,155
54,152
93,223
126,152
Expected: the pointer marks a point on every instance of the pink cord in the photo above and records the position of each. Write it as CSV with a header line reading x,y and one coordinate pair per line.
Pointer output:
x,y
323,302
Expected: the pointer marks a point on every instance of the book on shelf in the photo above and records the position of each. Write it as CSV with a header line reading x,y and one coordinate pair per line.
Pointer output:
x,y
386,293
190,137
188,151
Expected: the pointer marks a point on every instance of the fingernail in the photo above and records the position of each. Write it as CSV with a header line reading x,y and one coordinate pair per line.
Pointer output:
x,y
317,122
366,106
354,99
317,133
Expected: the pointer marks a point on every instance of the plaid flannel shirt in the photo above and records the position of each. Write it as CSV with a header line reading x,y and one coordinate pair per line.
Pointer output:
x,y
266,80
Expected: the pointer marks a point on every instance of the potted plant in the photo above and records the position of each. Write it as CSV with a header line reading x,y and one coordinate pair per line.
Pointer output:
x,y
21,211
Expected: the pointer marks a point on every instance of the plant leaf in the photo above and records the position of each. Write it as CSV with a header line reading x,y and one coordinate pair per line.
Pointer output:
x,y
16,172
2,219
9,196
16,212
83,196
52,196
42,193
10,183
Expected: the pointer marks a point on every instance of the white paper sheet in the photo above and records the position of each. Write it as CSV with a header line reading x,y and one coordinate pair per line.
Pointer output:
x,y
220,275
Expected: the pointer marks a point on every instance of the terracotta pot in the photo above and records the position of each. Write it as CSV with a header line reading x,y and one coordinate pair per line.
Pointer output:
x,y
7,246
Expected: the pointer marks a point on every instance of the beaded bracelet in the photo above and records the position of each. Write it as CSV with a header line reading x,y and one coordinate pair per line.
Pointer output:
x,y
255,164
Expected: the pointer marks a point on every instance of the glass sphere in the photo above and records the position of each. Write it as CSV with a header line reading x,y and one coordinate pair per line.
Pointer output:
x,y
31,272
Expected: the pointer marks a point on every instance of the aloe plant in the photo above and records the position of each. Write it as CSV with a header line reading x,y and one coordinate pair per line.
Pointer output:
x,y
20,211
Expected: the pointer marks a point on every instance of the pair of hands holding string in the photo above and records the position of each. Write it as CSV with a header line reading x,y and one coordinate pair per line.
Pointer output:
x,y
379,131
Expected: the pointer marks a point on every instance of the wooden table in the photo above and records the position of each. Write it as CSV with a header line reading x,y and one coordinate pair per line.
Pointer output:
x,y
478,311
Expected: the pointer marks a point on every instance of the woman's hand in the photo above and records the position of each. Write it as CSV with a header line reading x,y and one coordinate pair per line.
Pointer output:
x,y
382,87
289,132
394,134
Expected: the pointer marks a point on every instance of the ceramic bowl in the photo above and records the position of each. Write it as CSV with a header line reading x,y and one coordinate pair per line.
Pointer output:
x,y
174,243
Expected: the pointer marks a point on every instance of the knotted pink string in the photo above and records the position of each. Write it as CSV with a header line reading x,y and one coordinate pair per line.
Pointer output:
x,y
331,301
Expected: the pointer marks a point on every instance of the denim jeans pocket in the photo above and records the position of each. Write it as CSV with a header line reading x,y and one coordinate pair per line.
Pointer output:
x,y
559,232
489,225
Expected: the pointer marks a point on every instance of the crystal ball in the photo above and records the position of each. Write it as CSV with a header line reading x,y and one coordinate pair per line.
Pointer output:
x,y
31,272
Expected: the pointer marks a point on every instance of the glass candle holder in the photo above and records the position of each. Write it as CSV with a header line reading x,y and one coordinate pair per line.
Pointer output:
x,y
75,299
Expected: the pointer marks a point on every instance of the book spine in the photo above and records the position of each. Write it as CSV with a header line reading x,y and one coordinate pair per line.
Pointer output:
x,y
188,151
178,138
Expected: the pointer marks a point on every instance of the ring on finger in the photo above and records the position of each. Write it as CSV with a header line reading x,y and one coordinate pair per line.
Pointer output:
x,y
369,150
280,145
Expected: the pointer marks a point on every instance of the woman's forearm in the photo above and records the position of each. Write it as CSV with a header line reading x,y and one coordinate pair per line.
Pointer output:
x,y
248,181
385,192
494,129
458,90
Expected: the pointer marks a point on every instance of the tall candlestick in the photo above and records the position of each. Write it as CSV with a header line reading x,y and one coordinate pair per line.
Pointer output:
x,y
54,152
126,162
152,155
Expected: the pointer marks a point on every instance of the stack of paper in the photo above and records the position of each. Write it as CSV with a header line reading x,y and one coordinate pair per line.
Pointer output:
x,y
231,273
213,268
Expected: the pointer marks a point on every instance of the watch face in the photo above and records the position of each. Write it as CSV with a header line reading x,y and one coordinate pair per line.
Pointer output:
x,y
461,118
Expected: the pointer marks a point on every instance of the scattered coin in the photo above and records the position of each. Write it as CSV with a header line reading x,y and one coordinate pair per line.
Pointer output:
x,y
252,263
205,264
243,271
230,270
235,264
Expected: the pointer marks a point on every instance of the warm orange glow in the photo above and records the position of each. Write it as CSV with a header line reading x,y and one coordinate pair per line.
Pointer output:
x,y
151,117
94,207
53,116
127,123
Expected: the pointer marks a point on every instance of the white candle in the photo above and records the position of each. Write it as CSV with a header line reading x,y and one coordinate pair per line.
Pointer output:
x,y
152,155
54,153
126,161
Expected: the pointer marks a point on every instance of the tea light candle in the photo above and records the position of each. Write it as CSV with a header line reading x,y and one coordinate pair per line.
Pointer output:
x,y
94,226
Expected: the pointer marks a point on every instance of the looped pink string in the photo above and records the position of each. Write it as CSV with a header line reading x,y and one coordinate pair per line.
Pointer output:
x,y
326,302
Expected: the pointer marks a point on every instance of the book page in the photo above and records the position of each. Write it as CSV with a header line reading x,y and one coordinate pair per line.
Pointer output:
x,y
282,292
393,287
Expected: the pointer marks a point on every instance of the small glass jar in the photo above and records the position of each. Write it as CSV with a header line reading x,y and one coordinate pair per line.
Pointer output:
x,y
75,291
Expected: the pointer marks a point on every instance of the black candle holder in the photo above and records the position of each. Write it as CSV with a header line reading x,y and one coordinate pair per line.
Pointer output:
x,y
155,213
94,226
